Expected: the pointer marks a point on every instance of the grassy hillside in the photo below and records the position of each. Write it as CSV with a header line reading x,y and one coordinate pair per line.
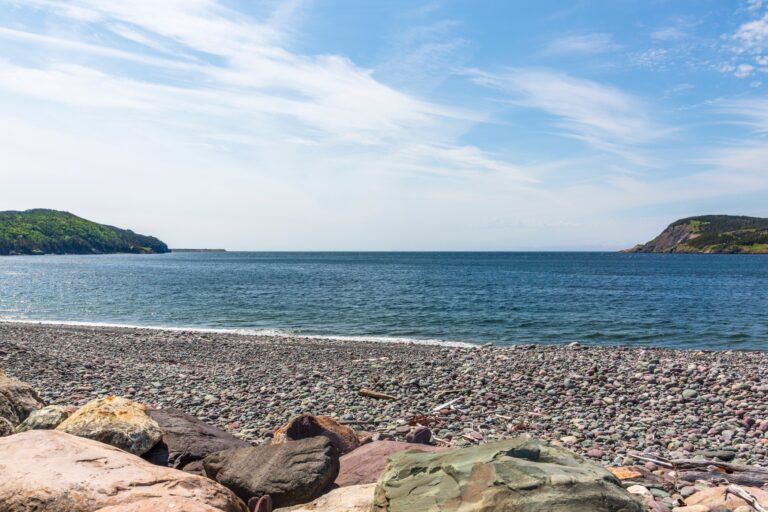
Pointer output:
x,y
712,234
54,232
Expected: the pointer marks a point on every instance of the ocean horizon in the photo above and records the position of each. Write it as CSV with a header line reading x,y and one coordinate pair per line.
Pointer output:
x,y
602,298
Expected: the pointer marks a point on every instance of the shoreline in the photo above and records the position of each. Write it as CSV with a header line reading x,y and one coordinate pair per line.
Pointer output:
x,y
600,401
274,334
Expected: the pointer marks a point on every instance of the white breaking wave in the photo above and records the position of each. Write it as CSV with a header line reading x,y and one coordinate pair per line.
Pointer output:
x,y
270,333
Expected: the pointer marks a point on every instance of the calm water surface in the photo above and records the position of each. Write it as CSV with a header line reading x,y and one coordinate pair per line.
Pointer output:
x,y
711,301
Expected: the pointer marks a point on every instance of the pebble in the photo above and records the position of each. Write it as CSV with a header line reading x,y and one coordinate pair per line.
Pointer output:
x,y
594,399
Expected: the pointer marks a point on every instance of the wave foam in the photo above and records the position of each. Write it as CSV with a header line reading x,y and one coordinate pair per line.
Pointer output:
x,y
270,333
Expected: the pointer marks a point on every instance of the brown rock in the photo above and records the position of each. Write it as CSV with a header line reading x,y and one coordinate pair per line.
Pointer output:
x,y
17,399
715,496
301,427
190,440
51,471
366,464
290,473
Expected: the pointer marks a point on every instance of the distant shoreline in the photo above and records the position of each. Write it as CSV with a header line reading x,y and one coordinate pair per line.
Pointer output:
x,y
198,250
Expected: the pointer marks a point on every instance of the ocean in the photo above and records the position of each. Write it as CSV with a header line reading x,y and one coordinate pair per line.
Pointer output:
x,y
666,300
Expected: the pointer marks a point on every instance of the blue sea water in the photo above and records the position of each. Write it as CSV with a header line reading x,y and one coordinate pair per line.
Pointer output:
x,y
705,301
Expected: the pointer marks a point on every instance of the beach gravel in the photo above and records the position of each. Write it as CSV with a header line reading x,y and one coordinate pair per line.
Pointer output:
x,y
598,401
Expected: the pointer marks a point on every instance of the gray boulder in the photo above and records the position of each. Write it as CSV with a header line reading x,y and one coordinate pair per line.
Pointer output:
x,y
523,475
291,473
17,399
47,418
6,428
190,440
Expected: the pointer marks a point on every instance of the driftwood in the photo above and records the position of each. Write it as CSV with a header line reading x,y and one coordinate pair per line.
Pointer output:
x,y
375,394
746,496
692,470
446,404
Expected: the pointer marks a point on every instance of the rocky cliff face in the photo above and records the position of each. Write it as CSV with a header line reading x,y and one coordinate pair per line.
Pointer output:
x,y
711,234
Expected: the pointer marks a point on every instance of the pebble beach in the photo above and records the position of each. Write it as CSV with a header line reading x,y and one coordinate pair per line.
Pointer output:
x,y
600,401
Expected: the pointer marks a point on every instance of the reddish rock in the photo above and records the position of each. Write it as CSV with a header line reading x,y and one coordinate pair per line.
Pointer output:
x,y
168,504
302,427
51,471
367,463
715,496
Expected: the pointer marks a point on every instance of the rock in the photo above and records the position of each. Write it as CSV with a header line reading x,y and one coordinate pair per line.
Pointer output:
x,y
366,464
115,421
516,474
51,471
168,504
716,496
291,473
302,427
419,435
6,427
724,455
17,400
625,472
47,418
690,394
190,440
356,498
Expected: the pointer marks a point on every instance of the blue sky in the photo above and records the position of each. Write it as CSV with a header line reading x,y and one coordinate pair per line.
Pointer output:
x,y
398,125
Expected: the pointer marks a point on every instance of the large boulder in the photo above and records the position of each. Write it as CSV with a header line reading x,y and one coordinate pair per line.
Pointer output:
x,y
116,421
306,425
366,464
51,471
190,440
516,474
166,504
356,498
290,473
47,418
17,399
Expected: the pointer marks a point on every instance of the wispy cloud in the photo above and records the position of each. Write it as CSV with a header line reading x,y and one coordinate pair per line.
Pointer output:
x,y
584,44
600,115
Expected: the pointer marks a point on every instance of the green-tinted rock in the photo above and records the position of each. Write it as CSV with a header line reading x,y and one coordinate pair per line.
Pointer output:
x,y
520,475
47,418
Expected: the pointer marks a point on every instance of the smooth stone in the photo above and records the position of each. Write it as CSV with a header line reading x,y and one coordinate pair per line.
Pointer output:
x,y
518,474
116,421
52,471
306,425
355,498
724,455
190,440
291,473
17,399
366,464
47,418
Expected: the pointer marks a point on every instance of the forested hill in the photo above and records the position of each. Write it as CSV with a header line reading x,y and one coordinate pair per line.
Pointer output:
x,y
55,232
711,234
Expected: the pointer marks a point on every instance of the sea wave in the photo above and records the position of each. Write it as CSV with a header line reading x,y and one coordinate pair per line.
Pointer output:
x,y
271,333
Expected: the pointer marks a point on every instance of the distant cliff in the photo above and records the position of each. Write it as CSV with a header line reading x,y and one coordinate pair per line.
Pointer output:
x,y
711,234
54,232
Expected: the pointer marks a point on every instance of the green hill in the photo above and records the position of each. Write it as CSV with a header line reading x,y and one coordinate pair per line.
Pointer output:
x,y
709,234
54,232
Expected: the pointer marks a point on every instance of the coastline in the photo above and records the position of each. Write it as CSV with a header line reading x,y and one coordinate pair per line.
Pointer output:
x,y
598,401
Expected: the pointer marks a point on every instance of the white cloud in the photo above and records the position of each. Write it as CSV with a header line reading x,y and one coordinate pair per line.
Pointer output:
x,y
584,43
753,36
668,34
600,115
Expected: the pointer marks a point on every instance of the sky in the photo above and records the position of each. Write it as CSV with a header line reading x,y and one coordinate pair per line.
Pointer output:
x,y
386,125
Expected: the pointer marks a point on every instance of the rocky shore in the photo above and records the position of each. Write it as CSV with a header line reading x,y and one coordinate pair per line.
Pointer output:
x,y
635,411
